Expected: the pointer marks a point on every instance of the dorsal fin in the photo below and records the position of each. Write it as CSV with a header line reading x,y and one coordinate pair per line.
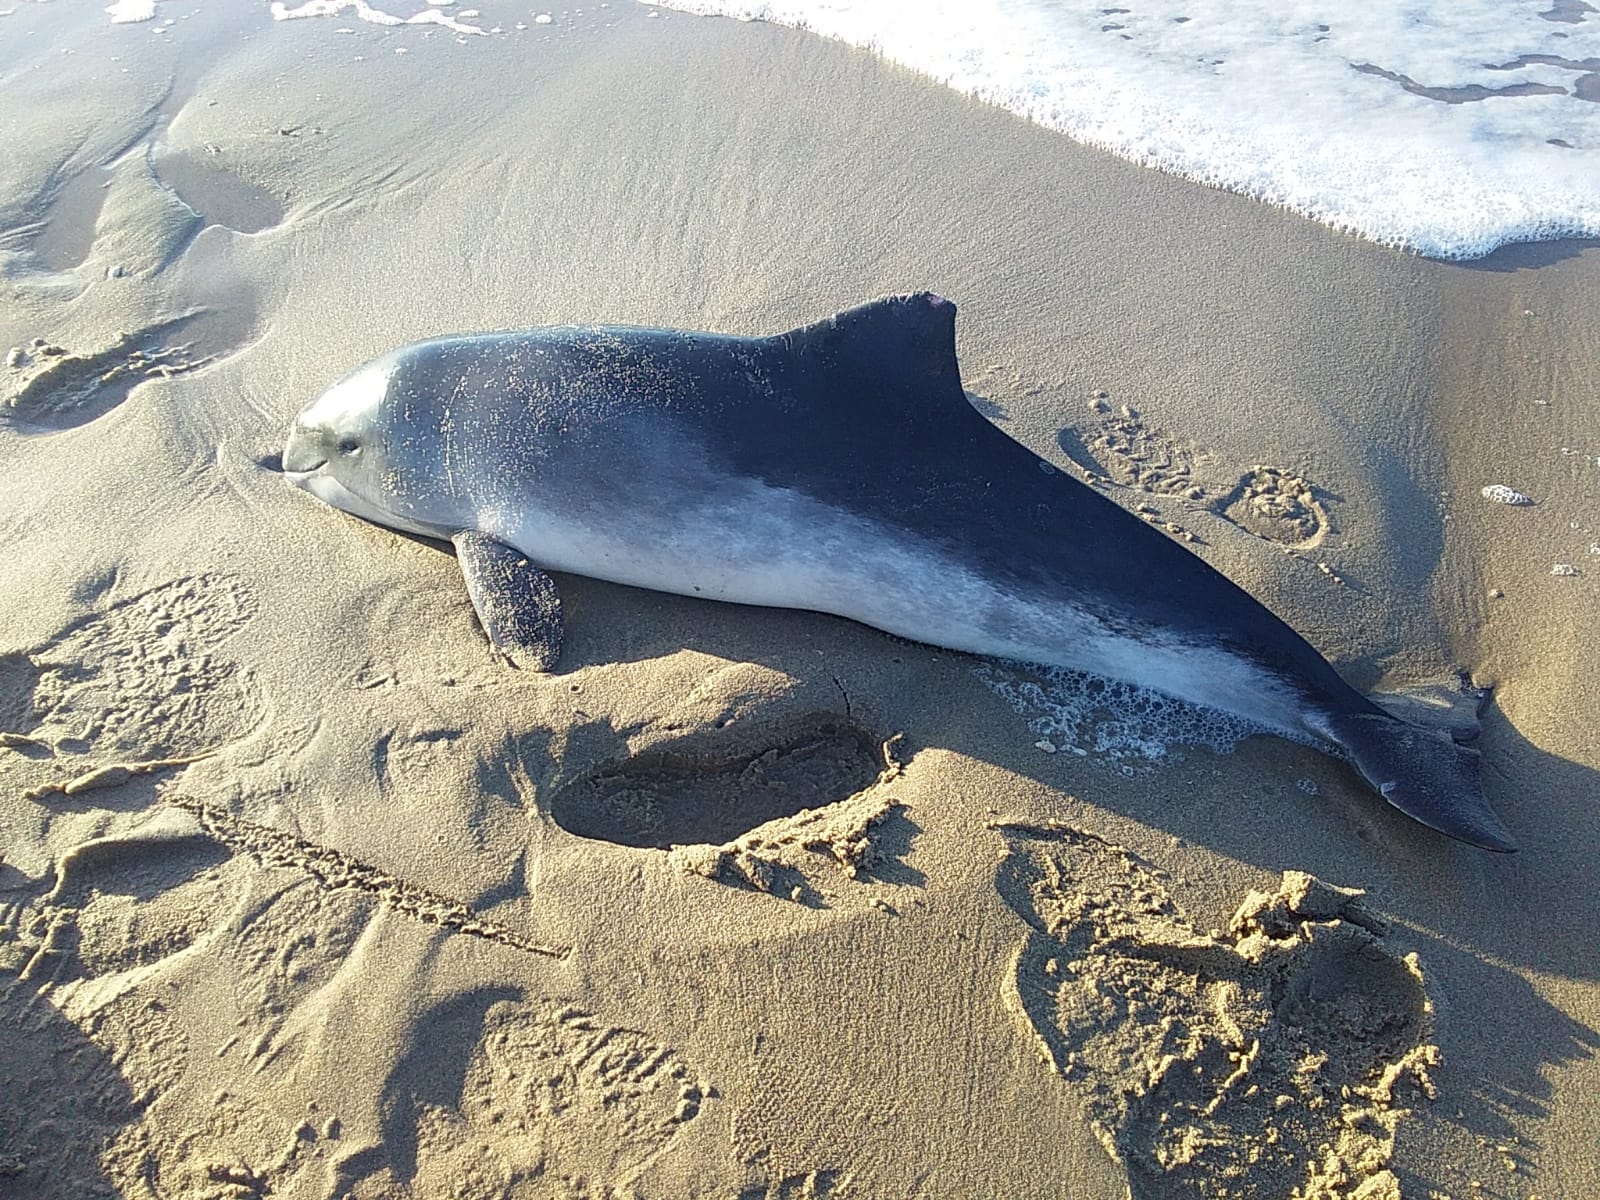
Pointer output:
x,y
907,338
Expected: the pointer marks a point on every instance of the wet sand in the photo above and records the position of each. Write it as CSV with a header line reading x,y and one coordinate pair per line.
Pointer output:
x,y
302,892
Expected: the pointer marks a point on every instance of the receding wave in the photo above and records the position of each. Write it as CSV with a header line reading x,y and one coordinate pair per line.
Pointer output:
x,y
1446,129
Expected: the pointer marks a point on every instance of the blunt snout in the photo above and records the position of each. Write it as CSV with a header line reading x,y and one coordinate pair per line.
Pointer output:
x,y
304,451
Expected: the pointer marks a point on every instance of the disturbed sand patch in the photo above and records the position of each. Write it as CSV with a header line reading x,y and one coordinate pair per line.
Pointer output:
x,y
794,810
1271,503
712,787
1270,1060
809,856
50,388
134,689
553,1095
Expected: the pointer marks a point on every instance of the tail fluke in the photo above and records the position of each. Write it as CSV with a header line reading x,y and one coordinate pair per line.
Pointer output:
x,y
1424,774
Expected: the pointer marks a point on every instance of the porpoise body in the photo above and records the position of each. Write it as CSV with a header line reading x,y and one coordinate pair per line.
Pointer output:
x,y
838,467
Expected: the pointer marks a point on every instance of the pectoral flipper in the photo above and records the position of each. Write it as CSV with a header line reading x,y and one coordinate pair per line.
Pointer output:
x,y
516,602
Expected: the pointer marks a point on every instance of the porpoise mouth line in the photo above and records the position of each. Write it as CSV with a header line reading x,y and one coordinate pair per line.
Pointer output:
x,y
302,476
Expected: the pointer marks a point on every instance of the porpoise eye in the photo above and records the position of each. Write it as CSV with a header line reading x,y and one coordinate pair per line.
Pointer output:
x,y
348,445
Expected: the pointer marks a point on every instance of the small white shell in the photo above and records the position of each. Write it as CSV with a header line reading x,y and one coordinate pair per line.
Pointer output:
x,y
1501,494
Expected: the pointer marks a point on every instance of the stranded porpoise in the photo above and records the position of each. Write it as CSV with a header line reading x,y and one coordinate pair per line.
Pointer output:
x,y
837,467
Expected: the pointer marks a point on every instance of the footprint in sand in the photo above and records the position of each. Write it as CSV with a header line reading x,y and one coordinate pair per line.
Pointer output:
x,y
707,788
133,689
1277,506
63,1099
92,719
1268,502
48,388
139,680
555,1099
118,911
126,901
292,947
1119,446
813,1185
758,808
1263,1062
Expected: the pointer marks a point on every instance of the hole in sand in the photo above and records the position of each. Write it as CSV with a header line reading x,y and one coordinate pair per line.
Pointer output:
x,y
1361,1003
218,195
712,787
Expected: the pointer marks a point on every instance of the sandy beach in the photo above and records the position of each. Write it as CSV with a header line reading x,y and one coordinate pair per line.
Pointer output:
x,y
305,893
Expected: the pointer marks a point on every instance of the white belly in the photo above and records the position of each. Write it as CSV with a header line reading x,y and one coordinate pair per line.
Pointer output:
x,y
777,548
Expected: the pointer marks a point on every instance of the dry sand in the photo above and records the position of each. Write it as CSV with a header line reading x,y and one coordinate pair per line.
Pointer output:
x,y
304,894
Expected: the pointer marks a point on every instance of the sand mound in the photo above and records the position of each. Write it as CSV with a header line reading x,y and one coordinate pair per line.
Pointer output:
x,y
1273,1060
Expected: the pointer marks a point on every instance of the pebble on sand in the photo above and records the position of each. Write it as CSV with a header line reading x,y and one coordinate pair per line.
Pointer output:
x,y
1501,494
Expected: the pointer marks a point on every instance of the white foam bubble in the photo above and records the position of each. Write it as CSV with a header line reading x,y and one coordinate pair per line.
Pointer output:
x,y
365,12
1087,715
1445,129
126,12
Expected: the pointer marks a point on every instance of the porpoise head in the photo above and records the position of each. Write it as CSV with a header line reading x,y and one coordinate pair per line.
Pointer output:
x,y
370,447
